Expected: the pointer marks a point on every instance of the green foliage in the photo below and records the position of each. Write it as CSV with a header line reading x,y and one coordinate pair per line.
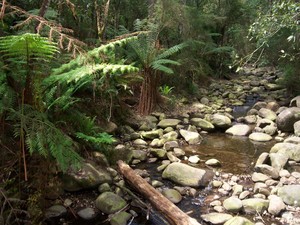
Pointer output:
x,y
43,137
165,90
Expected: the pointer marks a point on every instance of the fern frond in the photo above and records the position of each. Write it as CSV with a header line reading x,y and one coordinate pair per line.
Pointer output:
x,y
171,51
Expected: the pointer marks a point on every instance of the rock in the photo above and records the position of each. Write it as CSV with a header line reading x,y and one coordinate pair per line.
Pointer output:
x,y
55,211
172,157
157,152
288,149
203,124
259,105
220,121
213,162
284,173
239,130
173,195
170,136
191,137
187,175
262,159
250,119
139,142
104,187
169,145
237,189
278,160
157,183
267,114
168,123
232,204
267,170
286,119
290,194
120,218
259,177
178,152
293,140
297,128
244,195
194,159
217,183
87,177
238,220
295,102
276,205
261,137
139,154
274,106
157,142
255,205
216,218
109,202
152,134
87,213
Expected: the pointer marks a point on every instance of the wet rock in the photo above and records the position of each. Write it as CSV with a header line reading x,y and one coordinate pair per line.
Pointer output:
x,y
104,187
191,137
202,123
267,114
168,123
55,211
290,194
216,218
233,204
87,177
278,160
120,218
259,177
239,130
276,205
286,119
157,183
213,162
261,137
254,205
267,170
194,159
87,213
220,121
238,220
173,195
109,202
288,149
187,175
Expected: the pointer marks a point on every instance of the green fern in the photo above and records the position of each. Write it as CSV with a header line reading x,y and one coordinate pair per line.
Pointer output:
x,y
44,138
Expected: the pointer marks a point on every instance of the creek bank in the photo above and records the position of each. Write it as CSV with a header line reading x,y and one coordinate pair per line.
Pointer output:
x,y
267,192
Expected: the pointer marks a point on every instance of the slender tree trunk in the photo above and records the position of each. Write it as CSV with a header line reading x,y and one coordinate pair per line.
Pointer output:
x,y
101,18
149,93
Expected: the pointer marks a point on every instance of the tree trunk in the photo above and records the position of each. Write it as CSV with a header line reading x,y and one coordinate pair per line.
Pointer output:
x,y
149,93
101,18
173,214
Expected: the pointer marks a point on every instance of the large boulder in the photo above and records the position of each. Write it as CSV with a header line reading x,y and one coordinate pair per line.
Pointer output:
x,y
220,121
168,123
276,205
109,202
290,194
186,175
191,137
89,176
286,119
289,149
239,130
202,123
297,128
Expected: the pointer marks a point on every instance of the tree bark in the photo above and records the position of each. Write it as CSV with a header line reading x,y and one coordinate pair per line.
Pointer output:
x,y
173,214
101,18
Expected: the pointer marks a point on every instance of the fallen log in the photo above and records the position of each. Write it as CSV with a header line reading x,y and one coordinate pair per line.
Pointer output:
x,y
172,213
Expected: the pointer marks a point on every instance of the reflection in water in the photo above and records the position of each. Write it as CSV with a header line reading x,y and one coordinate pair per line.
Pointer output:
x,y
235,153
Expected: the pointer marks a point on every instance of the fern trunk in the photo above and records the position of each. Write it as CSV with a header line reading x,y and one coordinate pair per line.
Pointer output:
x,y
149,93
